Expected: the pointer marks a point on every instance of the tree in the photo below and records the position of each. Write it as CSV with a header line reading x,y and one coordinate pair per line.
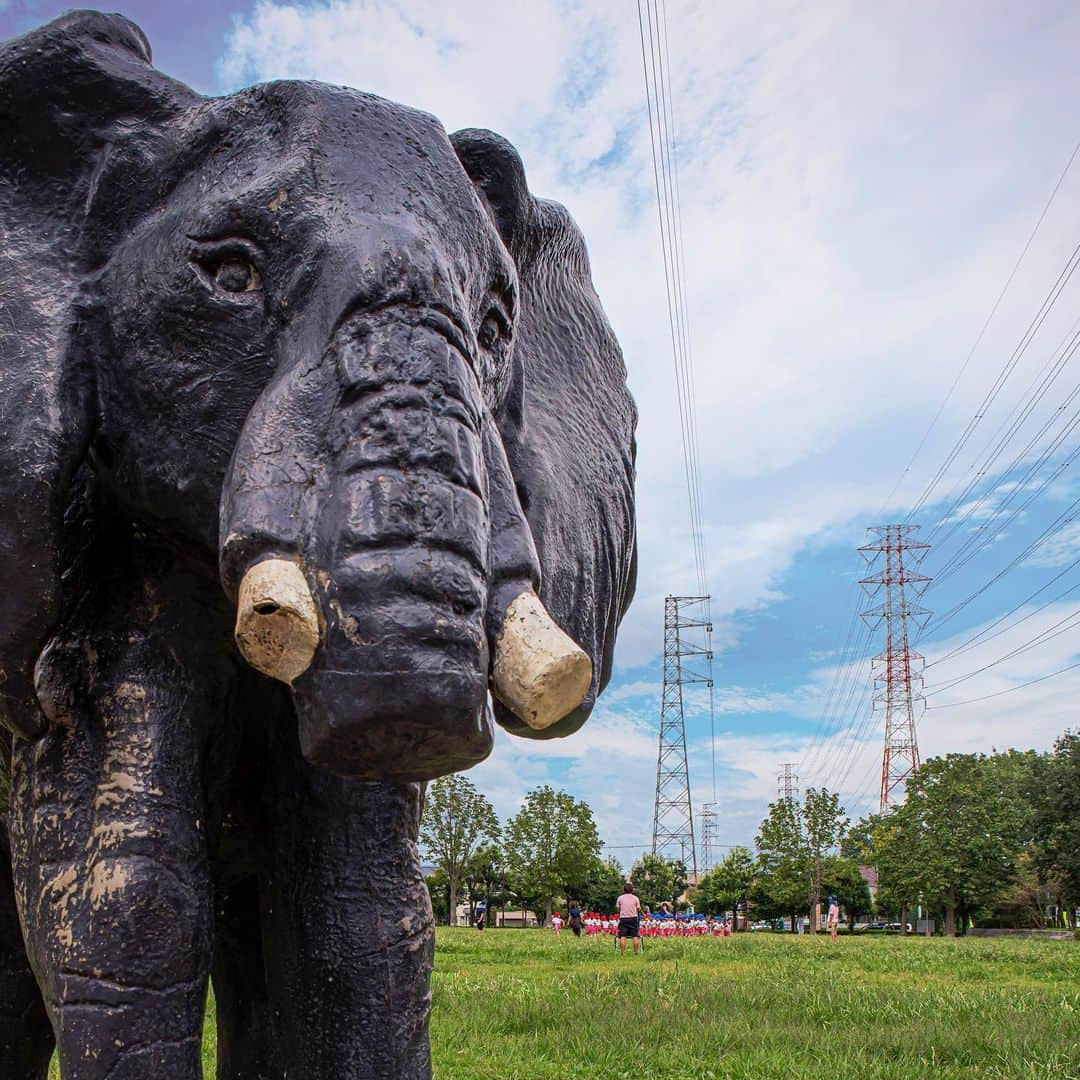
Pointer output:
x,y
824,822
858,841
842,877
726,884
438,885
485,878
456,818
658,880
782,884
602,886
896,845
955,839
1030,898
1056,811
551,845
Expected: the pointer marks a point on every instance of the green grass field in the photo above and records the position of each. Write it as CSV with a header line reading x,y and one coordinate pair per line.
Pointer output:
x,y
521,1005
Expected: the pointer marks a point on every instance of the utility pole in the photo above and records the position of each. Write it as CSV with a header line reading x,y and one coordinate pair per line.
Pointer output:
x,y
687,631
897,671
787,782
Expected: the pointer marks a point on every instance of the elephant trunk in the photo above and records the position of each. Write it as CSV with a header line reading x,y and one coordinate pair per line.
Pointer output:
x,y
407,578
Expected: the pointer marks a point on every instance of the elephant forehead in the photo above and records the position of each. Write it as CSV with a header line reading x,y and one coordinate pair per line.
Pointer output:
x,y
356,151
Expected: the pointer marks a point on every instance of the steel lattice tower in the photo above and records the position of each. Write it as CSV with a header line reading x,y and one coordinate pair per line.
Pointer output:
x,y
686,636
787,782
708,836
898,676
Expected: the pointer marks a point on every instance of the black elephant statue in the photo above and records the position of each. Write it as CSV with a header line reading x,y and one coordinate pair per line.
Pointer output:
x,y
313,433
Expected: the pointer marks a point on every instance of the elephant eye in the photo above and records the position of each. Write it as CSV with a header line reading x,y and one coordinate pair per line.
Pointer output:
x,y
236,274
229,265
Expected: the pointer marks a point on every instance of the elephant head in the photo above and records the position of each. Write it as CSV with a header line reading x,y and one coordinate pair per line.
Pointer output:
x,y
300,333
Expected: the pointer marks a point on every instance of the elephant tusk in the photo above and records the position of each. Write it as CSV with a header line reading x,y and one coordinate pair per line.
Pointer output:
x,y
539,673
277,625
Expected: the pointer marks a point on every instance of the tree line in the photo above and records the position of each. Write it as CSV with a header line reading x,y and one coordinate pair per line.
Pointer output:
x,y
547,853
987,839
798,862
992,839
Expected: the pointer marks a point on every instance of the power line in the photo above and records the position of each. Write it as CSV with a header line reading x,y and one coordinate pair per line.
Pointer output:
x,y
1010,690
1065,518
996,445
957,559
665,176
849,754
1046,635
974,545
1051,370
1003,376
844,705
680,252
984,327
645,843
840,677
970,643
656,68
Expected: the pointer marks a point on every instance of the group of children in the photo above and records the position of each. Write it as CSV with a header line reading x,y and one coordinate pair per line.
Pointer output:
x,y
659,924
685,926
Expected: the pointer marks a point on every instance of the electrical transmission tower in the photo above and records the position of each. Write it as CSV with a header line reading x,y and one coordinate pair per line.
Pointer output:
x,y
709,851
687,631
787,782
897,671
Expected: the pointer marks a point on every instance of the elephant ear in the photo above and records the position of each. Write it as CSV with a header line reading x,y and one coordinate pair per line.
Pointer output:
x,y
566,419
68,92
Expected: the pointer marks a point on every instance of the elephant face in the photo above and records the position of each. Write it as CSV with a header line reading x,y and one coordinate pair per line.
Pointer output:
x,y
350,359
326,302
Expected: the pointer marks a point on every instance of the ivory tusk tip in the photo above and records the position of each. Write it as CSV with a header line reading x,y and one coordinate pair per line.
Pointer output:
x,y
539,672
277,626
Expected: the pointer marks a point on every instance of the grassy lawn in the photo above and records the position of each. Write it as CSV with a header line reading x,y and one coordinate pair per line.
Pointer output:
x,y
520,1005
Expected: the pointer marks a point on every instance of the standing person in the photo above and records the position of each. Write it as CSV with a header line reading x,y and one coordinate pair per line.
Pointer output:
x,y
556,923
573,914
834,916
629,907
481,915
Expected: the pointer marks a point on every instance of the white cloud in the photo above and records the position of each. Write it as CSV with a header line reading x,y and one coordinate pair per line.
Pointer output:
x,y
1059,549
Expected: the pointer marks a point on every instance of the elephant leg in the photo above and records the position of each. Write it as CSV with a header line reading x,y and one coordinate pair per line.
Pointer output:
x,y
108,831
247,1041
350,935
26,1039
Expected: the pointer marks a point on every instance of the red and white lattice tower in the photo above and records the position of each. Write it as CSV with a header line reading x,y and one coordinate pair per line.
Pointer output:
x,y
898,679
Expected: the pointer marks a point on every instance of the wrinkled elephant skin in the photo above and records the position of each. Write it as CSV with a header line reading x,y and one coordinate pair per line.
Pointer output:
x,y
314,436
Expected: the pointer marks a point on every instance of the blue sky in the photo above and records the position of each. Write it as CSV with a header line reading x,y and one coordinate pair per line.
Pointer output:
x,y
858,182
